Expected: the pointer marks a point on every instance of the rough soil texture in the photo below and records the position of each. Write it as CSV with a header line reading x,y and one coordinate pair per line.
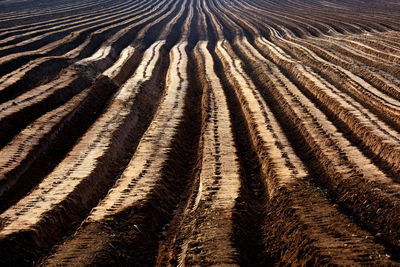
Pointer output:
x,y
199,132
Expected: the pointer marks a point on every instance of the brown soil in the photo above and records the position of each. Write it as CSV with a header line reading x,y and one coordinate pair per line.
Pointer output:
x,y
199,132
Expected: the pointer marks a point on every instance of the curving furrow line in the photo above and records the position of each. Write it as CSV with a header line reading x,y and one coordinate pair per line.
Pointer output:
x,y
286,178
29,28
332,153
51,12
85,172
73,40
24,151
75,78
378,136
200,132
145,172
383,81
17,40
206,223
155,137
16,81
391,189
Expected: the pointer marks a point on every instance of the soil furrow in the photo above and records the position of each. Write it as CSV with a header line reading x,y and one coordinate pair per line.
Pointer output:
x,y
140,191
209,210
78,181
341,168
379,137
199,133
286,177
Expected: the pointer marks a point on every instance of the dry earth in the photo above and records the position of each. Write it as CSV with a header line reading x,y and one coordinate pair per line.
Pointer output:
x,y
199,132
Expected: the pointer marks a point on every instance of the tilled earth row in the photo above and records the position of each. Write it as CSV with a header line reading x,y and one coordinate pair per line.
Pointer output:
x,y
199,132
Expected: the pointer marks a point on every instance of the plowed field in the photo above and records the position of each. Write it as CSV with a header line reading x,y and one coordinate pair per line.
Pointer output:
x,y
199,132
